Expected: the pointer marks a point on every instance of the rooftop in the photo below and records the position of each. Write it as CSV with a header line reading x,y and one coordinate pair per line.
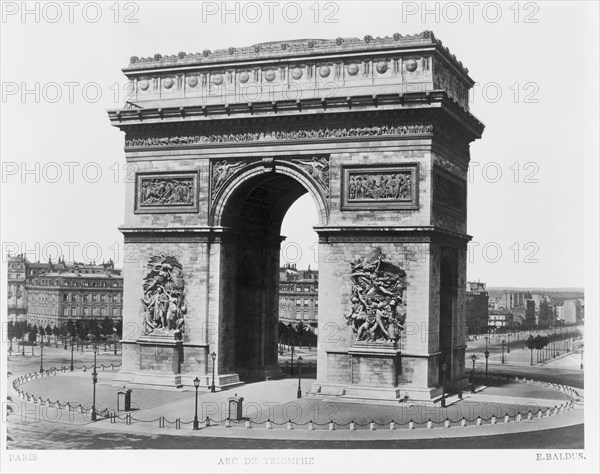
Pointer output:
x,y
294,48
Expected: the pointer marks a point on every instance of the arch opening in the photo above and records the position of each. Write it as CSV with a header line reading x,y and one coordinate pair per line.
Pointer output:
x,y
252,217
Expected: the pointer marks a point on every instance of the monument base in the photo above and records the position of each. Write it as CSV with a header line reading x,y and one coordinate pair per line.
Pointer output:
x,y
159,359
373,371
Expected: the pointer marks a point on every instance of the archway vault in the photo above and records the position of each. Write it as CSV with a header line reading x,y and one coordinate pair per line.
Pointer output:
x,y
250,202
267,187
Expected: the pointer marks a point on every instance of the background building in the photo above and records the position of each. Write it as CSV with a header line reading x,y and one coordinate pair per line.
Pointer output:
x,y
298,296
477,302
50,293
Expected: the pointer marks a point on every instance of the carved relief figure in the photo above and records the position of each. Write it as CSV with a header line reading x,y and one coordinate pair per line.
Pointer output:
x,y
166,191
163,296
270,135
318,168
380,186
221,171
378,299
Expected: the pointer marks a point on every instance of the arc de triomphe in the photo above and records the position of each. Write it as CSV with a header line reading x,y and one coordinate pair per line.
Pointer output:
x,y
377,131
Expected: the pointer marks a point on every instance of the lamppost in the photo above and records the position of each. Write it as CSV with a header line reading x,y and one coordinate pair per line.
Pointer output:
x,y
581,363
94,381
213,356
444,368
508,343
299,392
71,368
41,356
503,342
487,356
292,361
196,385
473,359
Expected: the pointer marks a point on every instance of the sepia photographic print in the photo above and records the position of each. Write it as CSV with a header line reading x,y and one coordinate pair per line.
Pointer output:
x,y
299,236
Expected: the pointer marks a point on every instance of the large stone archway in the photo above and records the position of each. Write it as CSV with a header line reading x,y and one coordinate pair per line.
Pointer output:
x,y
377,131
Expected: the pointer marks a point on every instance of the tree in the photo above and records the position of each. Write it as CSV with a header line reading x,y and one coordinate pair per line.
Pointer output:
x,y
530,314
531,346
94,330
10,330
107,326
118,329
48,331
18,330
81,329
71,330
32,333
300,330
56,330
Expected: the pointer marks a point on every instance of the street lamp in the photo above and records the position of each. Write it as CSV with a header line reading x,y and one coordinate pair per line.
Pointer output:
x,y
213,356
508,343
41,356
71,354
196,385
487,356
581,363
473,359
444,369
503,342
94,382
292,361
299,392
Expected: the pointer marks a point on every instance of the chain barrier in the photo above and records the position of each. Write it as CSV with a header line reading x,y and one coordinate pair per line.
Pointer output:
x,y
289,424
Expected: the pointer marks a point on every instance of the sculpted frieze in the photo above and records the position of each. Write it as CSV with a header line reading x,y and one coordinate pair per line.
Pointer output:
x,y
159,140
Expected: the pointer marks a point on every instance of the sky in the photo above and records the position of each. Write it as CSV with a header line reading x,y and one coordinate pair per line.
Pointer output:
x,y
532,199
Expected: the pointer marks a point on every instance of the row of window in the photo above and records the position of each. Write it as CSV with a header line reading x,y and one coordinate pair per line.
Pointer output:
x,y
93,297
305,315
94,311
306,301
77,283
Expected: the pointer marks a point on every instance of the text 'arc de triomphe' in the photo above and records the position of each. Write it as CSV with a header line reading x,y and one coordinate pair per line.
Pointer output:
x,y
377,131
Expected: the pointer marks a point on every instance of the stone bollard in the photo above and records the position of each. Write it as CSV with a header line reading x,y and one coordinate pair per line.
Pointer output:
x,y
207,422
310,425
539,414
372,426
506,418
548,412
227,423
447,423
289,425
478,421
519,417
429,424
494,420
268,425
463,422
331,426
561,409
392,425
247,424
555,410
411,425
529,415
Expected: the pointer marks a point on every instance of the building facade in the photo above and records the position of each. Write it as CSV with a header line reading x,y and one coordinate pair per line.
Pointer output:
x,y
477,302
299,296
51,293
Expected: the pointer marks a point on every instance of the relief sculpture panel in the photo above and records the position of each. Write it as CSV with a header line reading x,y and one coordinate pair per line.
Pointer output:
x,y
380,187
166,192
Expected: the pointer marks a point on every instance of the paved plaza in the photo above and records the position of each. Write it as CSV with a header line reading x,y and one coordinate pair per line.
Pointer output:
x,y
276,402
